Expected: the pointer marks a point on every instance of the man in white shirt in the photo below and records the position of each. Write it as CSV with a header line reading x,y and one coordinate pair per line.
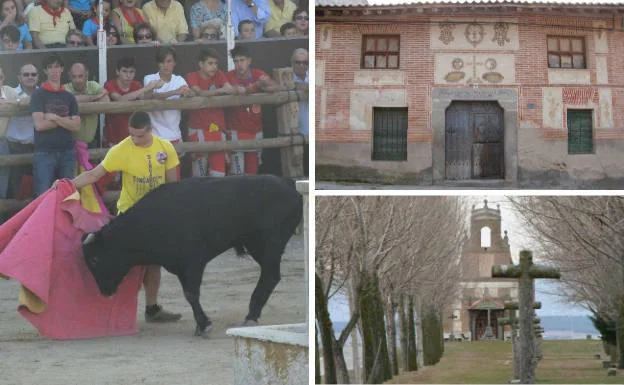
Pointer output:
x,y
21,131
300,63
166,123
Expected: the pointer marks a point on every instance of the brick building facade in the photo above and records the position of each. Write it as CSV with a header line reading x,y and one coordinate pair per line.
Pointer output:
x,y
488,95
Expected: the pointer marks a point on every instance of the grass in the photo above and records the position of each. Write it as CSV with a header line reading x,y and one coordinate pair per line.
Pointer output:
x,y
569,362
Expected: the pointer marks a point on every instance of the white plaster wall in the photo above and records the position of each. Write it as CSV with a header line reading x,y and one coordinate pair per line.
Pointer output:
x,y
363,101
601,42
486,42
379,78
552,108
602,73
325,37
568,76
319,74
474,64
606,108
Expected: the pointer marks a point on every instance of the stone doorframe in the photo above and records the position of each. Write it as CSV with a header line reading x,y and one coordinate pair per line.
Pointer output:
x,y
507,98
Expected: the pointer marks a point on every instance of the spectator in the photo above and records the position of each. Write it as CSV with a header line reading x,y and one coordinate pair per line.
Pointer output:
x,y
288,30
10,36
92,25
12,14
144,34
125,18
256,11
81,10
211,31
112,35
282,12
21,132
49,24
300,63
7,96
124,88
55,113
168,20
302,21
245,122
205,11
166,123
208,124
246,30
85,91
75,39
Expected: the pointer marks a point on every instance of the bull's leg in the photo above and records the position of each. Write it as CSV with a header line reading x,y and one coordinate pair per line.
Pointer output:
x,y
191,281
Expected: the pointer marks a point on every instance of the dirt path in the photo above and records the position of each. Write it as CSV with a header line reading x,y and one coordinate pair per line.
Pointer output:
x,y
158,354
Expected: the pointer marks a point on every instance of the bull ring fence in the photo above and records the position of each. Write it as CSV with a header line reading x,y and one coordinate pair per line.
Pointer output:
x,y
270,55
290,142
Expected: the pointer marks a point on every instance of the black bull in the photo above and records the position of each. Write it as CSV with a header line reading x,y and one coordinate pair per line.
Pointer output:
x,y
182,226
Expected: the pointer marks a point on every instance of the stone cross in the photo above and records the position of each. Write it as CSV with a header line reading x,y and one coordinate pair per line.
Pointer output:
x,y
526,272
513,322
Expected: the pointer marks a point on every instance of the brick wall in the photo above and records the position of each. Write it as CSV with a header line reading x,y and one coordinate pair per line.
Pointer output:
x,y
417,64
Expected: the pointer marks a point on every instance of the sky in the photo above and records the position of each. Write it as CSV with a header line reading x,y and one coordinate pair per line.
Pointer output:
x,y
545,290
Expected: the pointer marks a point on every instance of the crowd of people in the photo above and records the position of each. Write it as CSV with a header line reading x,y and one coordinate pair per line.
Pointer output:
x,y
33,24
54,126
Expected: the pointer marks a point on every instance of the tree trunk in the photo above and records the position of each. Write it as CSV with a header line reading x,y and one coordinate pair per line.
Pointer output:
x,y
327,332
317,358
412,349
342,373
391,335
376,360
403,326
619,331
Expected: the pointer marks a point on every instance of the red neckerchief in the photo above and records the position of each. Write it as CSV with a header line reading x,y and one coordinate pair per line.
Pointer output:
x,y
135,14
55,14
48,87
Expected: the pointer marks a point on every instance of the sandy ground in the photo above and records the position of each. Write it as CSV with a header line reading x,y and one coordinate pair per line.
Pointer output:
x,y
158,353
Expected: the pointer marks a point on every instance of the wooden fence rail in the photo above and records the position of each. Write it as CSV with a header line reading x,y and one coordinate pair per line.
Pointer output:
x,y
194,103
205,147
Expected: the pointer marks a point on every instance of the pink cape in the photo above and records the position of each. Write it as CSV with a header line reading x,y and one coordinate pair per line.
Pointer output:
x,y
41,248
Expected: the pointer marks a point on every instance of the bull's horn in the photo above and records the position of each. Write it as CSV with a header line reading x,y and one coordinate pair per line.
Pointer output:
x,y
90,238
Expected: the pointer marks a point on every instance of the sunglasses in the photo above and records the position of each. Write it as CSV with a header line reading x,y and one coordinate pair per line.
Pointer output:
x,y
302,62
149,36
29,74
306,18
210,35
74,42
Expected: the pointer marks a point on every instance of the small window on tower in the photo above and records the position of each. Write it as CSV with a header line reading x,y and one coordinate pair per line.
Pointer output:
x,y
486,238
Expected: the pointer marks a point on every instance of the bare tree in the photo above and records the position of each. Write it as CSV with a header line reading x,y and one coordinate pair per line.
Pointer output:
x,y
584,237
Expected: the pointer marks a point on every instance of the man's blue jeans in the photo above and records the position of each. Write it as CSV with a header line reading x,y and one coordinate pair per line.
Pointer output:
x,y
52,165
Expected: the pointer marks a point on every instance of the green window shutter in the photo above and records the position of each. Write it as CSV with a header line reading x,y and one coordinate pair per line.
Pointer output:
x,y
580,132
389,134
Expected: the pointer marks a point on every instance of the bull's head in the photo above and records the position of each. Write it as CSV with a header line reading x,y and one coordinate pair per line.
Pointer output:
x,y
107,265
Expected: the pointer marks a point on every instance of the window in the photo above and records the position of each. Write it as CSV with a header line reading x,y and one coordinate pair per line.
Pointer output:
x,y
580,132
566,52
380,51
389,133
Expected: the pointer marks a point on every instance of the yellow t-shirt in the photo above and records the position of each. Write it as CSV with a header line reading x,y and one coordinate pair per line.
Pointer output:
x,y
279,17
42,22
168,25
143,168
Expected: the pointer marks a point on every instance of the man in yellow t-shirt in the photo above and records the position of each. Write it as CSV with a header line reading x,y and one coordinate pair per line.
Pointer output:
x,y
145,161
